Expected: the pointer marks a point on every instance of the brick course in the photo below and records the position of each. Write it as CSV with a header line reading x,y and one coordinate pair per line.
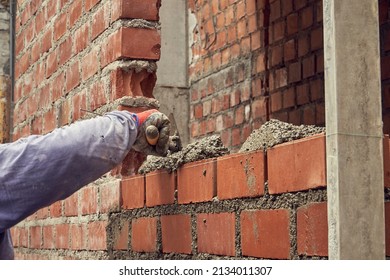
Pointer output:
x,y
266,62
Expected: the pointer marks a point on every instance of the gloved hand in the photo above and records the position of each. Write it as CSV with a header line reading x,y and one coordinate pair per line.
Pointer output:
x,y
159,120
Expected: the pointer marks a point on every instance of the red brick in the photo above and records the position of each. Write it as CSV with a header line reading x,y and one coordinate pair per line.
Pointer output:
x,y
132,83
289,50
51,63
309,115
50,121
144,234
196,182
135,43
48,237
303,96
88,202
133,192
72,76
64,112
278,30
277,55
121,236
276,101
60,26
216,234
303,46
308,65
29,33
90,64
138,9
240,175
79,102
265,233
78,236
62,236
110,197
56,209
289,98
71,205
316,38
35,51
81,38
24,237
51,9
65,51
160,188
35,237
47,39
306,17
99,21
19,43
97,235
176,234
292,24
75,12
312,229
38,74
317,89
275,11
22,64
259,108
387,227
57,87
97,94
294,72
304,165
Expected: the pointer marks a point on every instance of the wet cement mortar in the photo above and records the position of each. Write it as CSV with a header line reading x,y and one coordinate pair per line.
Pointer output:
x,y
270,134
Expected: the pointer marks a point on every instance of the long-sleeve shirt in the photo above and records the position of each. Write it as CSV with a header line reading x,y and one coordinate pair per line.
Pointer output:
x,y
41,169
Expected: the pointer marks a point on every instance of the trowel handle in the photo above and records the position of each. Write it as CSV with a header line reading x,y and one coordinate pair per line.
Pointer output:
x,y
152,134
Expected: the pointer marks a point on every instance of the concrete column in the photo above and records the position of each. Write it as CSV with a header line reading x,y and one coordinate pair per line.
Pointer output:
x,y
354,130
172,74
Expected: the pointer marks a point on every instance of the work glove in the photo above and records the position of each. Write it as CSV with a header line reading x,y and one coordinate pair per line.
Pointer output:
x,y
161,122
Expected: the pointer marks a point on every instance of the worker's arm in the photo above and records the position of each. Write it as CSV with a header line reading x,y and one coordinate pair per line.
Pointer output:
x,y
39,170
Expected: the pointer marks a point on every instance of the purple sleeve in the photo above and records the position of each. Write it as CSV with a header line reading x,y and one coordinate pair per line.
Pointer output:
x,y
38,170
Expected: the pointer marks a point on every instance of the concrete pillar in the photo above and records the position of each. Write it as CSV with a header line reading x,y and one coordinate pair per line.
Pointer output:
x,y
354,130
172,89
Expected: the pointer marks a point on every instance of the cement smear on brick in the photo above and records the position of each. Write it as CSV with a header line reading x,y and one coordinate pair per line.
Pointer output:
x,y
276,132
208,147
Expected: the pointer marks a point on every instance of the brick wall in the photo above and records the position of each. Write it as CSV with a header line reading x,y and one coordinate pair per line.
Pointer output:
x,y
236,206
73,56
253,60
81,54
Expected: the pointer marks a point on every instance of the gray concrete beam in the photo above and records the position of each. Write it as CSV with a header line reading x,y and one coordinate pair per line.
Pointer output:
x,y
354,130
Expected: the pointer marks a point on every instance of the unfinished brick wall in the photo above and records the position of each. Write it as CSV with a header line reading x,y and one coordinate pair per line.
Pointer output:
x,y
258,207
237,206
